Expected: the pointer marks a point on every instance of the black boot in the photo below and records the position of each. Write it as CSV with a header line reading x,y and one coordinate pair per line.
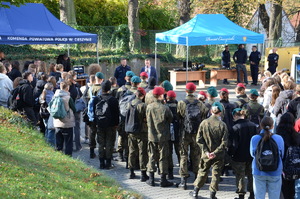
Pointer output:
x,y
102,163
241,197
132,174
251,195
92,153
164,182
213,195
144,176
194,193
182,184
170,174
126,160
120,157
108,164
151,179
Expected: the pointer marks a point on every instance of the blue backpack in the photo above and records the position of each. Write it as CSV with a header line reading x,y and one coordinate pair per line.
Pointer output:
x,y
57,108
91,104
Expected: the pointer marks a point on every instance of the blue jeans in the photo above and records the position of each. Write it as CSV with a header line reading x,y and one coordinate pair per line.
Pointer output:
x,y
239,68
49,134
264,184
297,189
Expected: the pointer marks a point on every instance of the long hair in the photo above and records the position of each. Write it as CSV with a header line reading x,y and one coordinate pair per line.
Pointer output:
x,y
224,96
266,124
286,129
275,93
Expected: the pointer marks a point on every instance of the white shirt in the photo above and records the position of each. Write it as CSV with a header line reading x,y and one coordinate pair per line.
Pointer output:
x,y
148,70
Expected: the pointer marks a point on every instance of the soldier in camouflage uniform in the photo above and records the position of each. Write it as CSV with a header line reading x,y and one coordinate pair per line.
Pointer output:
x,y
122,136
212,93
188,139
159,118
144,77
241,96
212,137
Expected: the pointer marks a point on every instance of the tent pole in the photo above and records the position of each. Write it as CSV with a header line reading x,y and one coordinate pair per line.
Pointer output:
x,y
187,59
68,46
97,49
155,55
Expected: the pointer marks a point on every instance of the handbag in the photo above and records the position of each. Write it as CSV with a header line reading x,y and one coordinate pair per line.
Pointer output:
x,y
79,103
50,123
44,113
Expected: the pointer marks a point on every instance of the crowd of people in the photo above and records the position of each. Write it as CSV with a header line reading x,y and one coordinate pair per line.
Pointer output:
x,y
255,134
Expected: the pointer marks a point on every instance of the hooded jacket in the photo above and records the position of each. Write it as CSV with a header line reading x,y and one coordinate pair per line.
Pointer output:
x,y
26,91
69,120
6,86
40,84
281,104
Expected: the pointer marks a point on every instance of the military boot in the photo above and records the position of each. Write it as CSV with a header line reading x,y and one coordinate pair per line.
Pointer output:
x,y
251,195
213,195
164,182
102,163
92,153
144,176
194,193
170,174
132,174
151,179
241,197
126,161
108,164
182,184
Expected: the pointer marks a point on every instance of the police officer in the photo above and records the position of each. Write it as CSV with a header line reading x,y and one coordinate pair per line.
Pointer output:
x,y
254,59
120,72
212,137
273,61
226,61
188,139
159,118
240,58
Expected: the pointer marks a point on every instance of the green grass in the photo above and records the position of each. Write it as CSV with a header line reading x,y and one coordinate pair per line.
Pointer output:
x,y
29,168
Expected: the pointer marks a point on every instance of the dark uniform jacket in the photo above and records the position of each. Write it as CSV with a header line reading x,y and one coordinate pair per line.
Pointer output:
x,y
255,57
120,74
225,57
272,58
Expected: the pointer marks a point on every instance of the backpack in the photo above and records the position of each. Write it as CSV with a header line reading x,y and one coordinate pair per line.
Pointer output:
x,y
103,114
15,99
240,103
127,97
267,156
255,116
57,108
90,106
174,125
192,117
132,123
291,165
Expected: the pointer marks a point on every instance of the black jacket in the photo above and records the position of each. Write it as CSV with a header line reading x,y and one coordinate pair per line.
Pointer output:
x,y
243,131
225,57
255,57
14,73
292,107
120,74
26,92
240,56
75,91
273,59
227,114
40,84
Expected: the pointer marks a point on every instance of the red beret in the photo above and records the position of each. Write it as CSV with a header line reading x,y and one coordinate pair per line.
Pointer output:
x,y
144,74
225,90
190,86
171,94
158,91
241,85
203,93
142,90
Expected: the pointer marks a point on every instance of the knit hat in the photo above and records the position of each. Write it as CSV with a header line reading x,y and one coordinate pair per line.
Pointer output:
x,y
254,92
142,90
224,90
212,91
99,75
158,91
144,74
202,95
190,87
218,105
106,86
136,79
167,85
130,74
236,110
241,85
171,94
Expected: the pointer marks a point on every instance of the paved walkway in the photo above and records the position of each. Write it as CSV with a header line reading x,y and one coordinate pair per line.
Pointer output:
x,y
121,175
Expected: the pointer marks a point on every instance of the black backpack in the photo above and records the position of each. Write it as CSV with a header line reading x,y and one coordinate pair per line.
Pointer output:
x,y
267,156
291,165
15,101
103,114
255,116
44,113
132,123
85,117
174,126
192,117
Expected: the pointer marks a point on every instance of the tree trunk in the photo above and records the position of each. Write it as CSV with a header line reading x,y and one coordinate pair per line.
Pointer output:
x,y
184,9
275,28
67,12
133,25
264,17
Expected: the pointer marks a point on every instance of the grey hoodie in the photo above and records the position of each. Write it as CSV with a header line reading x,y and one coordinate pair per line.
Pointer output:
x,y
281,103
6,86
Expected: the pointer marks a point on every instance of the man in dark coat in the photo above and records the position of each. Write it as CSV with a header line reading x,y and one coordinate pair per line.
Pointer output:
x,y
240,58
254,59
273,61
120,72
226,61
150,70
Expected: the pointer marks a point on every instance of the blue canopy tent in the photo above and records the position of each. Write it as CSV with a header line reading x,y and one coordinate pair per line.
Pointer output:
x,y
33,23
207,29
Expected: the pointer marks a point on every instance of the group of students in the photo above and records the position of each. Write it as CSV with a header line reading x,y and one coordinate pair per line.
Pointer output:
x,y
256,135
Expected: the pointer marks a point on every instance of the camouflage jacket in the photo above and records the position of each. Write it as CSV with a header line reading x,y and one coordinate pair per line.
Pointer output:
x,y
122,90
149,98
95,89
159,118
141,109
241,100
143,84
254,106
213,136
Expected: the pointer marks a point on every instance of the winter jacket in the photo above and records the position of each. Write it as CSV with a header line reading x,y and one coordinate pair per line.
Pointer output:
x,y
75,91
69,120
281,104
255,57
292,107
14,73
225,57
26,92
240,56
6,86
39,88
120,74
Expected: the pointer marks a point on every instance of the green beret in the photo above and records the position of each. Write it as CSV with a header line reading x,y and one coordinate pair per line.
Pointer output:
x,y
136,79
212,91
99,75
254,92
167,85
219,105
236,110
130,74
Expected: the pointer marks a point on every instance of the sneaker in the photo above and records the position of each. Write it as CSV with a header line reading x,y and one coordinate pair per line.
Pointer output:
x,y
86,141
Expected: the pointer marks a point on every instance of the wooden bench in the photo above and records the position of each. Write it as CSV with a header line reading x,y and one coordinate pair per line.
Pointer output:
x,y
180,76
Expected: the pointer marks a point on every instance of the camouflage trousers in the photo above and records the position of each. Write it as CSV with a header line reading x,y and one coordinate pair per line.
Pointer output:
x,y
158,152
241,170
138,149
189,143
123,140
205,164
92,136
106,138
